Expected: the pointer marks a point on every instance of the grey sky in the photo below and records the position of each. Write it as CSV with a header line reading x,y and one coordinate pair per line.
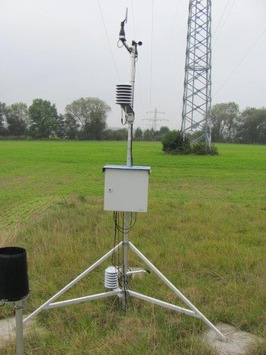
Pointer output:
x,y
58,50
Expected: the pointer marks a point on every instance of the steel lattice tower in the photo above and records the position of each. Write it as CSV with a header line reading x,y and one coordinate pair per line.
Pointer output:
x,y
197,82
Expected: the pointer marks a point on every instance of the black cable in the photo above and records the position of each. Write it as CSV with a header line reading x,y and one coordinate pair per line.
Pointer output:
x,y
121,227
117,240
131,144
120,230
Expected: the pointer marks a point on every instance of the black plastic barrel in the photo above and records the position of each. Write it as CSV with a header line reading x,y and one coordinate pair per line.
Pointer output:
x,y
14,284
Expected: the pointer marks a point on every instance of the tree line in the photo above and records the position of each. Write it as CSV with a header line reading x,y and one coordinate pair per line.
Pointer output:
x,y
85,119
230,125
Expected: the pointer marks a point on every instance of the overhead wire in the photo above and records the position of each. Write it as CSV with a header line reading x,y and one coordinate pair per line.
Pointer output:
x,y
171,47
133,18
221,18
139,79
108,39
219,33
227,16
151,61
241,61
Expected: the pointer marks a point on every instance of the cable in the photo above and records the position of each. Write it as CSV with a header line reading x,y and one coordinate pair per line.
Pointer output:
x,y
133,19
120,230
220,20
117,239
120,227
171,47
224,22
151,63
134,32
108,39
118,235
241,61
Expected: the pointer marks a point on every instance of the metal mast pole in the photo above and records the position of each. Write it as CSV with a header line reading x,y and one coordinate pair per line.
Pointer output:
x,y
130,120
197,81
129,115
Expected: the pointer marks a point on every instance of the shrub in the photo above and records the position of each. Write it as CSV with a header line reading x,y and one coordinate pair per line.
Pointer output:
x,y
201,148
174,143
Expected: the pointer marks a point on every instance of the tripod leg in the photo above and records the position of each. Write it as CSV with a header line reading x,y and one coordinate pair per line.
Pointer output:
x,y
177,292
72,283
19,327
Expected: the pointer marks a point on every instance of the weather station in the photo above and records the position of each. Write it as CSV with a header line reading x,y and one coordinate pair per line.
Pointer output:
x,y
125,194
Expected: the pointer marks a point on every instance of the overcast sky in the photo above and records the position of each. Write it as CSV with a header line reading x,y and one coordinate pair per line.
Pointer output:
x,y
61,50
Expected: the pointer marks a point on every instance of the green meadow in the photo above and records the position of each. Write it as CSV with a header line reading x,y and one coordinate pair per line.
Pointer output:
x,y
205,230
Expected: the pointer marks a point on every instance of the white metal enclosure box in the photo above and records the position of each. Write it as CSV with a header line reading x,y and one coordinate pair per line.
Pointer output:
x,y
126,188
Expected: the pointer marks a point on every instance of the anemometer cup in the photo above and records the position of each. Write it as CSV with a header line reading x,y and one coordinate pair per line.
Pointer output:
x,y
14,284
136,43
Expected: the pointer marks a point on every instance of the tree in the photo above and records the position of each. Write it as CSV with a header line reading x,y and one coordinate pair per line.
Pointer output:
x,y
60,128
148,135
71,126
115,134
224,121
152,135
90,113
252,126
3,130
17,118
44,119
138,134
163,130
2,113
158,135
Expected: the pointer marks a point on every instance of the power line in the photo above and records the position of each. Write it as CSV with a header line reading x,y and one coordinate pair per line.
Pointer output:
x,y
108,39
151,69
224,22
220,20
133,19
241,61
139,81
170,48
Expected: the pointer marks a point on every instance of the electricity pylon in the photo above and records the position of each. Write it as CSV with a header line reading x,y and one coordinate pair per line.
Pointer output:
x,y
155,119
197,82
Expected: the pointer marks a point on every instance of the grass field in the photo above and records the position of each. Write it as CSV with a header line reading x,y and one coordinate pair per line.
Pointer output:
x,y
205,230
